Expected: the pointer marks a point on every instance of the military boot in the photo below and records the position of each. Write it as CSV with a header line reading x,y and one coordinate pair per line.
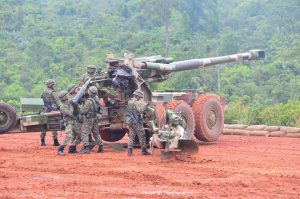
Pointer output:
x,y
72,149
84,150
55,142
100,149
145,152
129,152
43,142
60,150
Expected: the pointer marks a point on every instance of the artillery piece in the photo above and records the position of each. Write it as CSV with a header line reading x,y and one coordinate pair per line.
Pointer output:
x,y
203,113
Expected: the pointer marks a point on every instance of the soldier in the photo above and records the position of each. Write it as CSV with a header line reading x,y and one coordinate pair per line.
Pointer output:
x,y
136,106
90,111
51,103
72,90
90,73
71,127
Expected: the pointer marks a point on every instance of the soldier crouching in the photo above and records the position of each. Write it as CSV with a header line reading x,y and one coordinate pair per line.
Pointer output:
x,y
136,106
71,130
90,112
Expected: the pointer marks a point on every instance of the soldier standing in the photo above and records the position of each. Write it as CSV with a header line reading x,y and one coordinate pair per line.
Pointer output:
x,y
90,112
90,73
72,90
136,106
71,127
51,103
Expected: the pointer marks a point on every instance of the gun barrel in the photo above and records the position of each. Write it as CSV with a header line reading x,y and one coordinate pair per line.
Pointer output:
x,y
80,93
196,63
155,59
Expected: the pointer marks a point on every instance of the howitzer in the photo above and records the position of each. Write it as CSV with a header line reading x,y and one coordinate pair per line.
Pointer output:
x,y
202,113
155,68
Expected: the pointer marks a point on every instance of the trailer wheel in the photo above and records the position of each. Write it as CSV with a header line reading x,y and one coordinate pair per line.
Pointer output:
x,y
209,117
187,114
112,136
160,115
8,117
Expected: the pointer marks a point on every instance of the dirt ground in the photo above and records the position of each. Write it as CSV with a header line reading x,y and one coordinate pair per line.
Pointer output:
x,y
233,167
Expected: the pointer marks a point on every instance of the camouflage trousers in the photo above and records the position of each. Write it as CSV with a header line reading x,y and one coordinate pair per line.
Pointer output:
x,y
72,135
136,130
90,126
43,134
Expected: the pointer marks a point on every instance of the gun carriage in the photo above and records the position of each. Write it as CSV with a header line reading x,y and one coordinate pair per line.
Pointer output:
x,y
203,113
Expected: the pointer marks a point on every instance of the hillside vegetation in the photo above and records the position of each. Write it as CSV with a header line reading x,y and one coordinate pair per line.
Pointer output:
x,y
56,39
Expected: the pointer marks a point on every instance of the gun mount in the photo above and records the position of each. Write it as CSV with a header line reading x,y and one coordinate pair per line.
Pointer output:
x,y
202,113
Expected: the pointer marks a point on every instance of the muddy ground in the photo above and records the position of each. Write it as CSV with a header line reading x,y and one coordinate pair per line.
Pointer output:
x,y
233,167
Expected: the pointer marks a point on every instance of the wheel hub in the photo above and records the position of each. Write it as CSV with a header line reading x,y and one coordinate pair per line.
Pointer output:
x,y
184,122
3,118
211,119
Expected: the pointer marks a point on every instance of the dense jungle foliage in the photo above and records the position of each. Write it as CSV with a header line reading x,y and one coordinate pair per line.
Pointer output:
x,y
43,39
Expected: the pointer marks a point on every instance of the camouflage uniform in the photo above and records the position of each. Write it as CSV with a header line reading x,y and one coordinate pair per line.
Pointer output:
x,y
91,72
72,90
136,106
51,103
71,130
90,111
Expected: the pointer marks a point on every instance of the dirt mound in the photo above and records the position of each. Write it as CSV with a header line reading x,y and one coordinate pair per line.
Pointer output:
x,y
233,167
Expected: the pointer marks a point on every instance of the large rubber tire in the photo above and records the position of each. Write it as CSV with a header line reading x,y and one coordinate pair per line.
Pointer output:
x,y
209,118
187,114
112,136
160,115
8,117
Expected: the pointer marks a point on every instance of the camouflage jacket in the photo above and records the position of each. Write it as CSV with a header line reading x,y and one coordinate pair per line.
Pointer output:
x,y
84,78
135,110
90,108
67,110
51,101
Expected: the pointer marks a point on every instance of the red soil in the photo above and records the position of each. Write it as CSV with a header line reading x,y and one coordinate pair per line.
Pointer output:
x,y
233,167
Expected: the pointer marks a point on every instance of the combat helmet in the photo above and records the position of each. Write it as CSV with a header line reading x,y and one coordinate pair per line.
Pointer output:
x,y
62,94
71,88
93,90
50,82
138,93
91,68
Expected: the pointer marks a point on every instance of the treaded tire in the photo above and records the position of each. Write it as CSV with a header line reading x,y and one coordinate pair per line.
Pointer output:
x,y
112,136
186,112
160,115
209,117
8,117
